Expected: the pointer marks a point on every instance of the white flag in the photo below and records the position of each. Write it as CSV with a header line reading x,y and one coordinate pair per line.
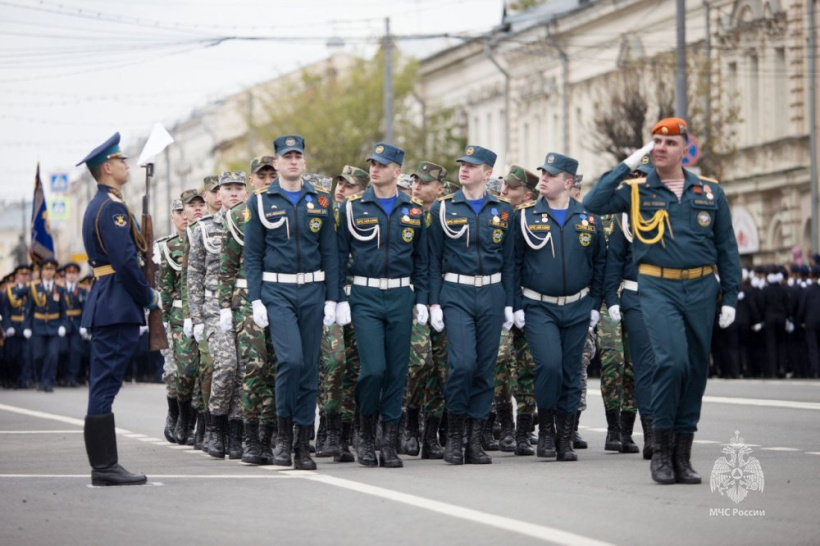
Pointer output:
x,y
157,142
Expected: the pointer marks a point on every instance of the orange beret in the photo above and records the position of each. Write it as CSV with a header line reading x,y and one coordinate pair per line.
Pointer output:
x,y
670,126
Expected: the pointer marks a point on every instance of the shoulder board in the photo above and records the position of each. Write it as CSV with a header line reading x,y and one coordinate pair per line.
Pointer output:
x,y
711,180
172,238
416,201
262,190
355,197
238,206
526,205
450,196
206,218
503,199
321,190
164,239
114,198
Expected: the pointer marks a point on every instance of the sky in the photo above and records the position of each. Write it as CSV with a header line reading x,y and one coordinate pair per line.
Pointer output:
x,y
73,72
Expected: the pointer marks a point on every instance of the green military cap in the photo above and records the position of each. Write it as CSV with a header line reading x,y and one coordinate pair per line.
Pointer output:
x,y
494,184
429,172
354,176
406,182
261,162
189,195
211,183
451,186
519,176
319,180
176,204
233,177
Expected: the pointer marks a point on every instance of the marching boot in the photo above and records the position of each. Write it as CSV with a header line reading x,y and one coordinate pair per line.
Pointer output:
x,y
266,431
410,443
400,436
442,429
191,440
345,456
546,434
101,447
522,435
301,456
577,441
388,458
565,425
284,442
454,450
681,459
331,447
199,434
205,431
474,454
613,431
488,441
661,465
171,420
366,451
235,439
253,449
184,410
506,438
646,424
321,436
627,424
219,426
533,437
354,441
431,448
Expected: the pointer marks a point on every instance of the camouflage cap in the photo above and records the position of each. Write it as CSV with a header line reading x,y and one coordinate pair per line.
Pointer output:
x,y
577,182
519,176
429,172
406,182
211,183
189,195
494,184
318,180
261,162
176,204
233,177
451,186
354,176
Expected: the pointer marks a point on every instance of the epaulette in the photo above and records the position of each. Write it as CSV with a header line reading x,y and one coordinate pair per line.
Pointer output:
x,y
262,190
711,180
444,198
355,197
632,181
114,198
416,201
321,189
525,205
203,219
163,239
504,199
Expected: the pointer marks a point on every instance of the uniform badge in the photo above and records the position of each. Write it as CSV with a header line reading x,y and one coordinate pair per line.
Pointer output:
x,y
698,190
469,151
120,221
584,239
290,141
315,224
545,218
323,201
379,149
551,159
505,216
428,219
407,234
704,218
405,218
496,219
310,205
415,211
246,216
710,196
585,223
498,235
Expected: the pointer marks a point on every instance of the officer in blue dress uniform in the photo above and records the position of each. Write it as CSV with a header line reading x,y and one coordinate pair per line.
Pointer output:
x,y
75,296
560,255
292,266
471,292
115,308
677,286
15,304
382,230
46,320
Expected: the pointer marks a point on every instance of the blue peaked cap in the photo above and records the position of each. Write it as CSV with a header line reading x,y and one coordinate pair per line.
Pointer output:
x,y
386,154
105,151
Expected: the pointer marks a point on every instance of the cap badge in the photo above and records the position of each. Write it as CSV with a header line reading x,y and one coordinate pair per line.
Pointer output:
x,y
469,151
379,149
290,141
551,159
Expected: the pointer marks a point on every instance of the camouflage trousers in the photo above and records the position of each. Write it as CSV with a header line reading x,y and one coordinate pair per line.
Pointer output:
x,y
169,372
205,372
515,371
258,360
617,378
426,371
226,381
185,358
339,371
586,358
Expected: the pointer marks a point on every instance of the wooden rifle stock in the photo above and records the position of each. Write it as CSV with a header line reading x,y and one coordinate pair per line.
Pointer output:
x,y
157,338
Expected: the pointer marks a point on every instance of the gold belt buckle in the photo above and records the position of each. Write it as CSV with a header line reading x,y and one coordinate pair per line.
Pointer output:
x,y
684,274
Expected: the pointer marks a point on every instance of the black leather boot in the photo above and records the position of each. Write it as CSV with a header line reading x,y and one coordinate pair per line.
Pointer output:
x,y
546,434
190,429
410,440
648,443
219,424
474,453
506,438
522,435
613,431
577,441
627,424
171,420
199,435
366,452
564,427
681,459
345,456
357,419
533,437
301,455
442,429
388,458
454,450
101,447
253,448
266,431
398,444
235,439
661,465
184,410
488,441
330,447
431,449
321,436
284,442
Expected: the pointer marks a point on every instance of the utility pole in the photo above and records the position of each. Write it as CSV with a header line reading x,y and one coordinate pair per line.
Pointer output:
x,y
681,100
388,83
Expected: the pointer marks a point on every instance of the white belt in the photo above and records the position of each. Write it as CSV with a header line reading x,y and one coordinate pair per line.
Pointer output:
x,y
178,304
477,281
556,300
209,293
241,283
381,284
294,278
630,285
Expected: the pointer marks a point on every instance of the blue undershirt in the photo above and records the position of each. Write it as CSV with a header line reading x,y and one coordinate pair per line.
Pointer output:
x,y
293,196
387,204
560,216
476,204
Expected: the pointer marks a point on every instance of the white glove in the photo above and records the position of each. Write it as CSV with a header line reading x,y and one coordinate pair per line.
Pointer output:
x,y
594,317
188,327
727,316
789,326
61,331
260,314
518,319
615,313
508,319
343,313
225,320
199,332
437,318
143,329
634,160
330,313
27,333
422,315
84,333
757,327
10,331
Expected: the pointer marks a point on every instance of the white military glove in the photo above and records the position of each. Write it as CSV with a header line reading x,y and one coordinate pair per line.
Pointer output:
x,y
188,327
615,313
594,317
157,301
343,313
789,326
330,313
727,317
757,327
422,315
143,329
199,332
10,331
61,331
634,160
508,319
84,333
518,318
260,313
27,333
437,318
225,320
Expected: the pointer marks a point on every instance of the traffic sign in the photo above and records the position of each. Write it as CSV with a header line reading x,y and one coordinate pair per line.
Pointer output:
x,y
692,153
59,183
59,208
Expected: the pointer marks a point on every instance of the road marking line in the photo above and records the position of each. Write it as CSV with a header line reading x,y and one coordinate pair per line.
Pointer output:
x,y
761,402
541,532
40,431
779,449
135,435
147,439
53,417
813,453
177,446
705,442
158,476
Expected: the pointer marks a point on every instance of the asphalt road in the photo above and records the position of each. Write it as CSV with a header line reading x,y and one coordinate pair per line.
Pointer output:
x,y
603,498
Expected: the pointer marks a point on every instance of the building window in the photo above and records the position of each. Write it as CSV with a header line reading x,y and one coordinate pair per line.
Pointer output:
x,y
780,100
753,110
